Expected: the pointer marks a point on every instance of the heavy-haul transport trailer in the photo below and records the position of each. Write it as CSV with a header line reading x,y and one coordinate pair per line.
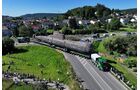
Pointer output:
x,y
78,47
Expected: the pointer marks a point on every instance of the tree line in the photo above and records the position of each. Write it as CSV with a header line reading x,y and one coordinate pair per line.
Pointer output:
x,y
89,12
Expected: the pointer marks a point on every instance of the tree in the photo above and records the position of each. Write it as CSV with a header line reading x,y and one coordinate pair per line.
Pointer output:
x,y
122,44
92,28
72,23
95,27
114,24
7,45
102,11
66,30
131,63
25,31
15,31
88,12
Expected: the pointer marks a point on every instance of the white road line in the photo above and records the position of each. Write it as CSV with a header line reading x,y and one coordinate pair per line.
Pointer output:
x,y
85,63
93,77
82,60
97,75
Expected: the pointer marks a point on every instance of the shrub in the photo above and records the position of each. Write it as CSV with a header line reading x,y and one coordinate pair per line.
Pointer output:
x,y
95,45
7,45
122,44
66,30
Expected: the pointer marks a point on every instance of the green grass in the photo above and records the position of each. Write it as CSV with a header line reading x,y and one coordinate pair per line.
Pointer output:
x,y
54,64
101,48
128,29
50,31
21,87
6,84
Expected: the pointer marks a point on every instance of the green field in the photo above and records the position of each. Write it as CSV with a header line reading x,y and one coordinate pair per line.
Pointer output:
x,y
37,58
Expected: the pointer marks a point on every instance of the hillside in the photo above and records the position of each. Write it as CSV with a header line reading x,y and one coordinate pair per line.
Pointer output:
x,y
40,15
129,11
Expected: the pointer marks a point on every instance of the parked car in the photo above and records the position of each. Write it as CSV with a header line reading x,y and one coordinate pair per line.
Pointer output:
x,y
97,35
105,35
128,33
23,39
112,34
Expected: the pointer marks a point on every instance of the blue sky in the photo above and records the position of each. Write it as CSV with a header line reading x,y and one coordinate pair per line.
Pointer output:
x,y
21,7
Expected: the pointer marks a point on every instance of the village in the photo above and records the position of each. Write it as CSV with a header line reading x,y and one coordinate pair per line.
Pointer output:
x,y
44,50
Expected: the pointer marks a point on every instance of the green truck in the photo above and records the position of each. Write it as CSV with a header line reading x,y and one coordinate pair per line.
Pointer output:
x,y
100,62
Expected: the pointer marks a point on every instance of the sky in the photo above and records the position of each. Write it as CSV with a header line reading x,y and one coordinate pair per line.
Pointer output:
x,y
21,7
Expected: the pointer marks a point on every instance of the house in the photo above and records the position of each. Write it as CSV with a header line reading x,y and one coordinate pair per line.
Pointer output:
x,y
124,20
84,22
133,20
109,20
135,16
48,24
36,28
94,21
6,32
65,21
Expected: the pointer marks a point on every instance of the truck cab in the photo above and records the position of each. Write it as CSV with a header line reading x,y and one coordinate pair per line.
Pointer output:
x,y
100,62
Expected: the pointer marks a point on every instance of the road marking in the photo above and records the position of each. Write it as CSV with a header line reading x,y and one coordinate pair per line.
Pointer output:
x,y
94,78
96,74
117,81
85,63
99,76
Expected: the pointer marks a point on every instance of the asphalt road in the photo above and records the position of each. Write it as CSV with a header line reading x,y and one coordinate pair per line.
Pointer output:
x,y
93,78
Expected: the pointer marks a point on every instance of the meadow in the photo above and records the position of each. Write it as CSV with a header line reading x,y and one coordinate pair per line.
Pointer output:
x,y
43,62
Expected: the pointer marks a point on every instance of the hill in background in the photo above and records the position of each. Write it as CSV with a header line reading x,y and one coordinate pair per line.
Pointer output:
x,y
40,15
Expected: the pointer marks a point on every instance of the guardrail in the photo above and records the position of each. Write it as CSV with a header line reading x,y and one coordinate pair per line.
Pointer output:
x,y
122,78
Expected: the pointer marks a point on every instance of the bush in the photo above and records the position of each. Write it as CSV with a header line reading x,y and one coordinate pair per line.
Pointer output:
x,y
7,45
95,46
66,30
114,24
25,31
81,31
134,69
122,44
131,63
